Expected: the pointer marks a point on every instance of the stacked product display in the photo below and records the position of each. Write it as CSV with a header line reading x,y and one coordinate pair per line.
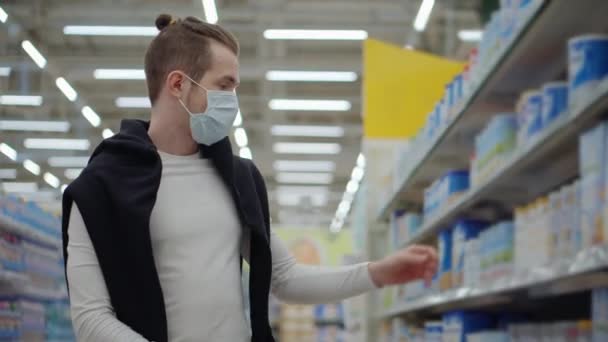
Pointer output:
x,y
34,304
499,34
323,323
529,214
475,326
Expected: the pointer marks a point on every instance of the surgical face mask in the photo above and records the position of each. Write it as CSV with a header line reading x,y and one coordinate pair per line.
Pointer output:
x,y
215,123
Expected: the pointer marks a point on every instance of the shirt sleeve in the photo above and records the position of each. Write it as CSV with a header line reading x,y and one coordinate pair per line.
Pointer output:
x,y
93,316
308,284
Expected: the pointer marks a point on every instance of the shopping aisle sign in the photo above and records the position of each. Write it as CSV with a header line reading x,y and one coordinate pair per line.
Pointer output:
x,y
400,87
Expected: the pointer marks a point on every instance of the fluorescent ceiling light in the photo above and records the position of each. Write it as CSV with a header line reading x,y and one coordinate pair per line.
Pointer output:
x,y
68,161
51,180
344,207
35,126
92,117
422,18
8,173
57,144
305,178
34,54
20,100
31,167
240,136
5,71
8,151
304,166
310,105
245,152
470,35
72,173
307,131
347,196
210,11
357,174
238,120
80,30
361,160
311,76
119,74
315,34
19,187
352,186
307,148
3,15
133,102
66,89
107,133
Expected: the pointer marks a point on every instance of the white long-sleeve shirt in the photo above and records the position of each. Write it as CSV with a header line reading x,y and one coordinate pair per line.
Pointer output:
x,y
197,241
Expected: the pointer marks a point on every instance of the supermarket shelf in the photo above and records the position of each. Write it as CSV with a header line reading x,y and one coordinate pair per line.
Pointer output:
x,y
332,322
588,270
9,314
13,278
547,162
535,55
11,226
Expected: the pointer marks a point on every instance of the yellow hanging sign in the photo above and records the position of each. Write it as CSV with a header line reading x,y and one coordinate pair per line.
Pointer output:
x,y
400,87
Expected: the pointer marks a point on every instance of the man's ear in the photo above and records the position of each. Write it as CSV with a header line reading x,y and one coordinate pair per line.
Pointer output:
x,y
176,84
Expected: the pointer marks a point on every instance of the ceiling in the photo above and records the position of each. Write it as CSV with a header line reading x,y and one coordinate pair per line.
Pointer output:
x,y
76,57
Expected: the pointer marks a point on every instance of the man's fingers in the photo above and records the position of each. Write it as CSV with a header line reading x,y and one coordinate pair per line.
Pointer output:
x,y
426,250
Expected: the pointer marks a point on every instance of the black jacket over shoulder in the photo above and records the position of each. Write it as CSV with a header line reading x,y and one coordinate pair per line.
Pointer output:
x,y
116,193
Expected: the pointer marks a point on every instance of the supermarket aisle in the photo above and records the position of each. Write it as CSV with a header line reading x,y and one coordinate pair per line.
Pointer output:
x,y
475,127
516,207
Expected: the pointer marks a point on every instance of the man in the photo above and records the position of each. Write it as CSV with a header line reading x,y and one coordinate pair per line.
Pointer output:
x,y
156,225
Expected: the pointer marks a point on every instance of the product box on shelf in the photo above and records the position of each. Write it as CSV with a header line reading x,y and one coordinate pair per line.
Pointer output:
x,y
444,191
497,244
453,184
599,314
489,336
405,225
472,263
555,102
567,244
458,324
587,65
464,231
592,163
433,331
396,231
530,116
494,144
445,259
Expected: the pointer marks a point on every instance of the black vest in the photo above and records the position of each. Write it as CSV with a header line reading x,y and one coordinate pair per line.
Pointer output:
x,y
116,193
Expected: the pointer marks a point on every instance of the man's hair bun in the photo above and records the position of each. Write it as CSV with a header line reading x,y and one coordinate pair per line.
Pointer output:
x,y
164,20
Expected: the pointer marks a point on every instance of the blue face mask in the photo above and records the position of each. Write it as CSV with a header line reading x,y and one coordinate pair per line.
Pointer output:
x,y
215,123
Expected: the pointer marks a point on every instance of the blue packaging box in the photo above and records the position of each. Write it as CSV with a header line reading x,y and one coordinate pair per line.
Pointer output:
x,y
555,101
587,63
433,331
457,324
445,259
464,230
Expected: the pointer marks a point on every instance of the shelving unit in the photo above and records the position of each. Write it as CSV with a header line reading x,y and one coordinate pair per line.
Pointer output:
x,y
548,161
535,55
34,288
